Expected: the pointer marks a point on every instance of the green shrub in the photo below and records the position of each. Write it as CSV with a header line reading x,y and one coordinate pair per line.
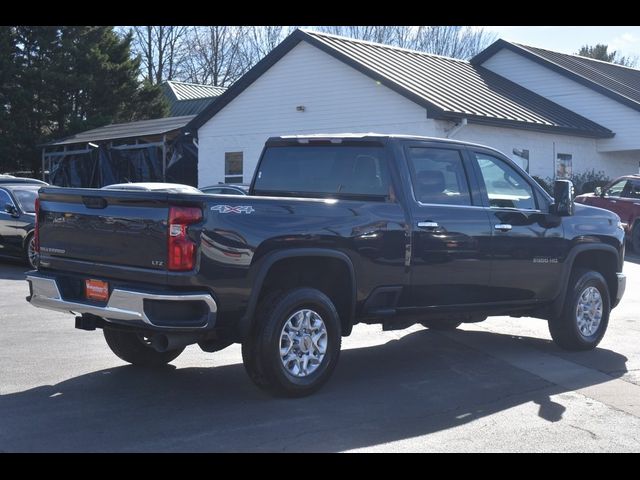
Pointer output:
x,y
586,182
545,184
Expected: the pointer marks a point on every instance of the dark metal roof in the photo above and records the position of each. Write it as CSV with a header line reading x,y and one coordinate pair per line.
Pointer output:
x,y
189,107
189,98
615,81
448,88
142,128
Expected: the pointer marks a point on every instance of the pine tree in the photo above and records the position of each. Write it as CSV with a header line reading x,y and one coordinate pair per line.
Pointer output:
x,y
601,52
64,79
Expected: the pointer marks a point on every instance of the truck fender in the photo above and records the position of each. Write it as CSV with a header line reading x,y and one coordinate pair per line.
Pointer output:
x,y
558,303
261,269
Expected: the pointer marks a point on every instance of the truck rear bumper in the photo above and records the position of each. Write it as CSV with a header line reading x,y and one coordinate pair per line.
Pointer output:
x,y
183,311
622,284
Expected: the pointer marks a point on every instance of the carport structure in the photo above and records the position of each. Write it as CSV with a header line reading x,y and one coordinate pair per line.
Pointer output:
x,y
149,150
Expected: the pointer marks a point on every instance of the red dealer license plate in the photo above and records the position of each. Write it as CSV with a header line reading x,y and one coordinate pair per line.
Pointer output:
x,y
96,290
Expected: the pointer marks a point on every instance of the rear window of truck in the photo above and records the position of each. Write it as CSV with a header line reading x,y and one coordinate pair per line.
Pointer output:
x,y
324,171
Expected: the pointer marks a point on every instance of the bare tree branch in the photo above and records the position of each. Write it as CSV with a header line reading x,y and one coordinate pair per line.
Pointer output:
x,y
451,41
217,55
161,50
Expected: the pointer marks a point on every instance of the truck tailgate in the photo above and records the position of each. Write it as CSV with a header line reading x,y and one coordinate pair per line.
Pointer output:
x,y
104,226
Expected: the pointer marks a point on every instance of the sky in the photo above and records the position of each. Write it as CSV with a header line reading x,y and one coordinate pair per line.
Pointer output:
x,y
626,40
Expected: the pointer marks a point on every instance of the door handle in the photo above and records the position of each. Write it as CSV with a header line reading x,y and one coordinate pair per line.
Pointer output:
x,y
428,225
503,227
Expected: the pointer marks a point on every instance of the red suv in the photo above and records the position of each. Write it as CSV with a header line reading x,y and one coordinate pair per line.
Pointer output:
x,y
622,196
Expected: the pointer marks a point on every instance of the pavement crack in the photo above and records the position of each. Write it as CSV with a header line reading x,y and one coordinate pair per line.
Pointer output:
x,y
586,430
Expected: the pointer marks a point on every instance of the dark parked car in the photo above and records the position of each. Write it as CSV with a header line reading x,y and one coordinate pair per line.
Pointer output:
x,y
393,230
17,220
7,179
621,196
227,189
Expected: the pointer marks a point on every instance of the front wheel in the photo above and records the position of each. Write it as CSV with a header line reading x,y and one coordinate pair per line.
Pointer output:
x,y
136,349
295,343
585,315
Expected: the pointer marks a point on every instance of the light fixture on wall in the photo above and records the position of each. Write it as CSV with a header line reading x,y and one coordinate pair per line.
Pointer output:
x,y
301,108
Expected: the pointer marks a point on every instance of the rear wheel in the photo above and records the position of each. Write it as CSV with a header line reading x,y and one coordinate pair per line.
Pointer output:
x,y
295,343
30,254
136,349
441,325
585,315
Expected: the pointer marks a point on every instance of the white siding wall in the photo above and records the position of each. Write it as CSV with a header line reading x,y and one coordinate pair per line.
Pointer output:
x,y
544,147
622,120
337,98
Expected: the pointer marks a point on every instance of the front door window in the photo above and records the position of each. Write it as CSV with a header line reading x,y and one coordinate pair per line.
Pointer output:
x,y
505,187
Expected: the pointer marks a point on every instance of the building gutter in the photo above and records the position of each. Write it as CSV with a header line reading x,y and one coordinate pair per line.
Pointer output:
x,y
456,128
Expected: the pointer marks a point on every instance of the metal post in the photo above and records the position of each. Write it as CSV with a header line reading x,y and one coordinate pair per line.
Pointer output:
x,y
164,158
43,149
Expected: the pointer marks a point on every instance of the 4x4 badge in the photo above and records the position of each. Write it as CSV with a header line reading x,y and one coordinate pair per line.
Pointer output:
x,y
233,209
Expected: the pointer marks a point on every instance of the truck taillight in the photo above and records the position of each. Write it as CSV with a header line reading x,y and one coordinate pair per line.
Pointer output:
x,y
182,250
36,232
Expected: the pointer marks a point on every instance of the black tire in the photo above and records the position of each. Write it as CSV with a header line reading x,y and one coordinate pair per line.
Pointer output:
x,y
133,348
635,237
564,329
28,256
261,351
441,325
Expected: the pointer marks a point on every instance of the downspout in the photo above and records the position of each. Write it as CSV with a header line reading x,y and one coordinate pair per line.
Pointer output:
x,y
457,127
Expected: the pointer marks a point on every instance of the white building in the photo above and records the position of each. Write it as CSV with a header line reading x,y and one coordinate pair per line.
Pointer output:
x,y
562,112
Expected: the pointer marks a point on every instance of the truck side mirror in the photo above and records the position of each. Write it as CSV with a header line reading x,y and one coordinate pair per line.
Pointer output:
x,y
598,192
563,198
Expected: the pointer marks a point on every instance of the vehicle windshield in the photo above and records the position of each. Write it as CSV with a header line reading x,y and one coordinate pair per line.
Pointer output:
x,y
26,199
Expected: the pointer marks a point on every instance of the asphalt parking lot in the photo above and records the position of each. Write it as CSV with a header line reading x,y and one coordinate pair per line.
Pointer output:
x,y
500,385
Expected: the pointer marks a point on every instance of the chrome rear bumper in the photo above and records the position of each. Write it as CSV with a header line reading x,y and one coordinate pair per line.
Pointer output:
x,y
123,305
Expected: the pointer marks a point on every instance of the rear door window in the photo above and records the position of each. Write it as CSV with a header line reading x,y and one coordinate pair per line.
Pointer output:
x,y
324,171
438,176
633,191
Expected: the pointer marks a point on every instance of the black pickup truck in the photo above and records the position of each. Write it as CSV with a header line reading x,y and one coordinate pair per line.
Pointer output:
x,y
336,230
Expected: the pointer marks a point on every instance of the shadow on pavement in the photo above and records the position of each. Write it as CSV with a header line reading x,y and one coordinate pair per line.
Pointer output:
x,y
422,383
12,270
632,257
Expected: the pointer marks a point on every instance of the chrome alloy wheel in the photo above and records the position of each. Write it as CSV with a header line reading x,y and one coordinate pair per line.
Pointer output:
x,y
589,311
32,255
303,343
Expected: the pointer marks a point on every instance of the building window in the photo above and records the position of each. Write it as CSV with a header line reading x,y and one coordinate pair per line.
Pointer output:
x,y
233,167
521,157
563,166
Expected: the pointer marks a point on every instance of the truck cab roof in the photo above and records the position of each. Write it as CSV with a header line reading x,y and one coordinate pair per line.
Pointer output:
x,y
380,137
